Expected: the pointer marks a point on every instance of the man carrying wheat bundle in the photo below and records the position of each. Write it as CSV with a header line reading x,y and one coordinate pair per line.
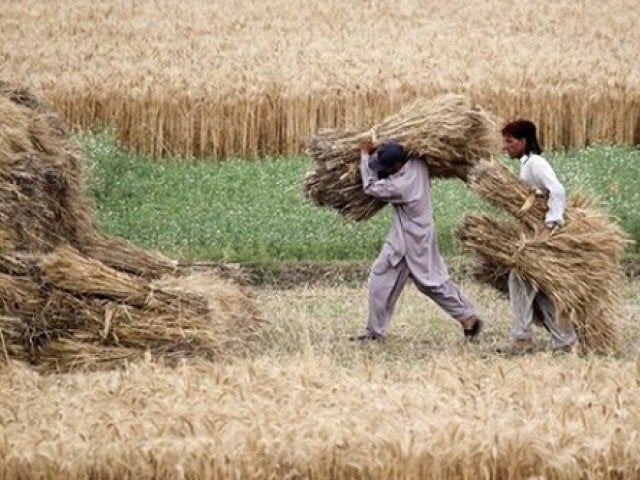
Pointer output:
x,y
410,250
521,142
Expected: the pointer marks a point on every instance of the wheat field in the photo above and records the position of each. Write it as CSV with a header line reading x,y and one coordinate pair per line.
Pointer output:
x,y
251,78
300,401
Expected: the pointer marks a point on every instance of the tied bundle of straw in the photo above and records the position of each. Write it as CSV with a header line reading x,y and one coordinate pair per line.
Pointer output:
x,y
446,132
126,257
495,182
66,269
578,266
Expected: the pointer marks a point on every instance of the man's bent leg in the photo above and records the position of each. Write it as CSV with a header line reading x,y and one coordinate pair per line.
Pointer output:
x,y
385,285
449,297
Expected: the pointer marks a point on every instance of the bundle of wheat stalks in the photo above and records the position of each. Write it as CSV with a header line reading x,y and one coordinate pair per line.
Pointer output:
x,y
72,297
446,132
578,266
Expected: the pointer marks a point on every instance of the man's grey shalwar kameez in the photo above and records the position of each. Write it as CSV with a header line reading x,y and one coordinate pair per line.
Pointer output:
x,y
410,249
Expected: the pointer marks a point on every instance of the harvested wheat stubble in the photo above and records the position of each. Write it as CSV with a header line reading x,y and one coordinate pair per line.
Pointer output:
x,y
72,297
446,132
582,278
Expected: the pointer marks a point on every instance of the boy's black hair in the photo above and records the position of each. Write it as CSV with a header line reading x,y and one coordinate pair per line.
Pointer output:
x,y
524,129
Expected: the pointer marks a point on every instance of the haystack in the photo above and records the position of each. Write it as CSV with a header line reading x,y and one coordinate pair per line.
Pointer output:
x,y
72,297
127,257
42,202
446,132
578,266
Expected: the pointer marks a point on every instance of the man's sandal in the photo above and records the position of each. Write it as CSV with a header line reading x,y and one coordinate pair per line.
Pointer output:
x,y
471,334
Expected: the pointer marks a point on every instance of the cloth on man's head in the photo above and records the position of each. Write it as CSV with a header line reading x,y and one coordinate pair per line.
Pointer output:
x,y
387,155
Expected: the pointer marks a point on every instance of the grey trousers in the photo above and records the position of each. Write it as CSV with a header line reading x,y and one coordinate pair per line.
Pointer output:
x,y
385,287
523,295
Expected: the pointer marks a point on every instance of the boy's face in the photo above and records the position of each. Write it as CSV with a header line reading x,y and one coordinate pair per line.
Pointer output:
x,y
514,147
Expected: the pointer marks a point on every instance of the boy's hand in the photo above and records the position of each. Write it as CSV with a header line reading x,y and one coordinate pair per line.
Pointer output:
x,y
549,230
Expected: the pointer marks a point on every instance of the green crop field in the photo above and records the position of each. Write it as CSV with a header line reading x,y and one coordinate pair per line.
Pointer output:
x,y
254,211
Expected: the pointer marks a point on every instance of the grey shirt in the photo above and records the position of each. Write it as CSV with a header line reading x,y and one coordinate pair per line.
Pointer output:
x,y
412,235
536,171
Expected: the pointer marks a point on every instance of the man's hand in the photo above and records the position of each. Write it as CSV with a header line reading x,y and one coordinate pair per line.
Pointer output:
x,y
367,146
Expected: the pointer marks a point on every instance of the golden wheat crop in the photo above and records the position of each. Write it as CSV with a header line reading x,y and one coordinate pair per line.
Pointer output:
x,y
250,78
299,401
